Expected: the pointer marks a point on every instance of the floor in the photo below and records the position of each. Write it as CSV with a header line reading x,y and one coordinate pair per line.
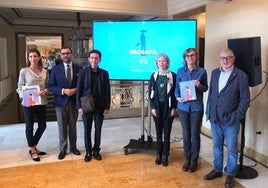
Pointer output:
x,y
115,135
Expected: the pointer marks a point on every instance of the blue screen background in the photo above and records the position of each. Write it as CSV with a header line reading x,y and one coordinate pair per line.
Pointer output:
x,y
129,49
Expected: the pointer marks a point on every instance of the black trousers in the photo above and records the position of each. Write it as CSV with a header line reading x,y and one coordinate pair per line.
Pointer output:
x,y
163,125
29,114
87,121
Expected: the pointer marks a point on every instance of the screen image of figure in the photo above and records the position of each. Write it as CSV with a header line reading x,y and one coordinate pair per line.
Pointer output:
x,y
129,48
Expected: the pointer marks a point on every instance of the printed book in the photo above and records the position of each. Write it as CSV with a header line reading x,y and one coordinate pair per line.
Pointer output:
x,y
30,95
187,89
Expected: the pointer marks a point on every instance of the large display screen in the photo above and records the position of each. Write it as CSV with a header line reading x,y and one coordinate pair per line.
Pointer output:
x,y
130,48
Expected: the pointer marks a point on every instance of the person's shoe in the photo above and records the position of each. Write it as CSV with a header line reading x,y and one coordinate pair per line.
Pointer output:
x,y
88,157
186,166
165,161
212,175
34,156
41,152
193,167
158,159
62,155
229,182
75,151
97,156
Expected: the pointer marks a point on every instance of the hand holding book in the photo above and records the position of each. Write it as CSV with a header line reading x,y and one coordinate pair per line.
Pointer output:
x,y
31,96
187,90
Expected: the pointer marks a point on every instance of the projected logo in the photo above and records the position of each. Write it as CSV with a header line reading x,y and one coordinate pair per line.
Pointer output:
x,y
140,48
142,42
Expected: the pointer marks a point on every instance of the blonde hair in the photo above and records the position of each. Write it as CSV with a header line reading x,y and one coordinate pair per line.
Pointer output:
x,y
165,57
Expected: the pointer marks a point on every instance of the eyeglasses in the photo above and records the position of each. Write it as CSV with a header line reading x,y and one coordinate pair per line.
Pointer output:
x,y
227,58
191,55
67,53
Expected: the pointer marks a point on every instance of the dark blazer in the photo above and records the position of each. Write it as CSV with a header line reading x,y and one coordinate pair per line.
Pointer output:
x,y
154,97
84,86
232,102
58,81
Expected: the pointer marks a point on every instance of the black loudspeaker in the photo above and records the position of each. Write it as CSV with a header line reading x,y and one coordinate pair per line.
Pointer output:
x,y
247,53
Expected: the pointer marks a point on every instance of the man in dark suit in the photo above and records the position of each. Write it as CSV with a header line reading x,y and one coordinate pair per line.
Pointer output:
x,y
228,101
89,78
62,84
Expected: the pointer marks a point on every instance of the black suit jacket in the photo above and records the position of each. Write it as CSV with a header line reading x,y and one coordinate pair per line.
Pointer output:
x,y
84,85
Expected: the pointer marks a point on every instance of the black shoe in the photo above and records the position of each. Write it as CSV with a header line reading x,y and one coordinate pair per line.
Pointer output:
x,y
38,152
34,156
186,166
41,153
75,151
165,161
229,182
97,156
88,157
158,159
62,155
212,175
193,167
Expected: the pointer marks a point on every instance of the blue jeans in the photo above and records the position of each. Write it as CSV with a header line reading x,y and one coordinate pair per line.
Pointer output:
x,y
191,127
230,134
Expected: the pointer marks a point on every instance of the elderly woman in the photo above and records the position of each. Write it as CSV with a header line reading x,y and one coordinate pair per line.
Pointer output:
x,y
191,111
163,105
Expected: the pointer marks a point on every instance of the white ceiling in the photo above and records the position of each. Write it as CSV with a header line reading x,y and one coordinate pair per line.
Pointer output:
x,y
66,19
21,16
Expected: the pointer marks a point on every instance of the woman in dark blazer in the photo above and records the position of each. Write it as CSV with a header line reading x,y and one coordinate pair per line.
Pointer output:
x,y
163,106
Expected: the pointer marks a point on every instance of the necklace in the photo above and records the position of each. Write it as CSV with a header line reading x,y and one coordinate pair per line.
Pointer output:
x,y
162,80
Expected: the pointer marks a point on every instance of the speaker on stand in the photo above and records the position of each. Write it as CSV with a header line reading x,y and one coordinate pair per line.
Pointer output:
x,y
247,53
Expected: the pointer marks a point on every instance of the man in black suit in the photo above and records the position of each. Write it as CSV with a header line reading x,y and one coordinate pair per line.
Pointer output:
x,y
62,83
93,78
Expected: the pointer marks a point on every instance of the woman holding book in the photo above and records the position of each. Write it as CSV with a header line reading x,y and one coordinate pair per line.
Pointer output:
x,y
194,78
32,84
163,106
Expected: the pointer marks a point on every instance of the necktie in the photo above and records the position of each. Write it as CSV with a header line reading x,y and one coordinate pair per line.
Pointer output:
x,y
69,79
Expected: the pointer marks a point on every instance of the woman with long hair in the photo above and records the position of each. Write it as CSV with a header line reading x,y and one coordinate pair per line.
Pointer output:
x,y
34,75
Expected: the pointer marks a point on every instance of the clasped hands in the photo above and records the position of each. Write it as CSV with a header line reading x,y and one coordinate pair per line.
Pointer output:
x,y
69,92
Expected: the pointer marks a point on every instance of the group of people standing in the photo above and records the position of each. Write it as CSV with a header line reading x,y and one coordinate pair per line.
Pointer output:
x,y
227,103
68,82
